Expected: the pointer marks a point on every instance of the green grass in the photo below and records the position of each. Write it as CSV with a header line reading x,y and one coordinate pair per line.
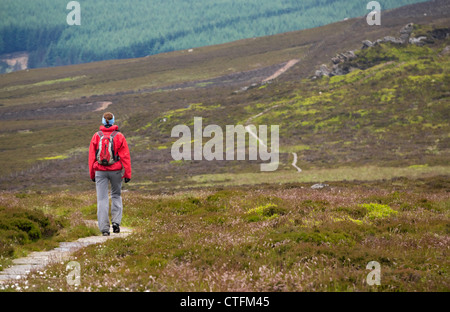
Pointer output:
x,y
42,83
318,175
293,149
267,238
54,157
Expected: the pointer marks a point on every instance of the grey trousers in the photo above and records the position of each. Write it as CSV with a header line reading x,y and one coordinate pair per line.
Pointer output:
x,y
101,181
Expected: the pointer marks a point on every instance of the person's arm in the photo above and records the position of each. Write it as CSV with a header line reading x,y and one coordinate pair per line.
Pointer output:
x,y
124,154
92,156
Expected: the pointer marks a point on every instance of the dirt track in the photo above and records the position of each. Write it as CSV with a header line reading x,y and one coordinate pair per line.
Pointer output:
x,y
237,79
103,106
282,70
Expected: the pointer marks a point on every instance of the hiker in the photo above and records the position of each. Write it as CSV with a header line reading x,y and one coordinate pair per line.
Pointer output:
x,y
108,155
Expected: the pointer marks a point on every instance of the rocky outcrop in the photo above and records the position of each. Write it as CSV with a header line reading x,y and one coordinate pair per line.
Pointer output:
x,y
319,186
404,38
338,67
343,57
405,33
341,64
366,44
418,41
445,51
323,71
389,39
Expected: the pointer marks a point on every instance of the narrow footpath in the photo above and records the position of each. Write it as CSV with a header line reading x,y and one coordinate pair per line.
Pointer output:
x,y
39,260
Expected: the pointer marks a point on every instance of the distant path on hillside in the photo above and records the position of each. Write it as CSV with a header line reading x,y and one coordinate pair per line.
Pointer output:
x,y
253,134
260,114
294,162
282,70
103,106
249,130
39,260
254,76
26,113
247,124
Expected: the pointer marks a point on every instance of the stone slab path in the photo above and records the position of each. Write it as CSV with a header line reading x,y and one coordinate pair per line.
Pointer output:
x,y
39,260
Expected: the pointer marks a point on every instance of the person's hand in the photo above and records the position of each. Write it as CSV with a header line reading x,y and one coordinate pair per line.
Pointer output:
x,y
126,180
93,180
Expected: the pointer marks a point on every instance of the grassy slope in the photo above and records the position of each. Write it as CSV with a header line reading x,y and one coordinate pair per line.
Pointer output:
x,y
272,238
268,237
389,115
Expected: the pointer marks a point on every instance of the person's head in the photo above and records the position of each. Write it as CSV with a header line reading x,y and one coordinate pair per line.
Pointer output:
x,y
108,119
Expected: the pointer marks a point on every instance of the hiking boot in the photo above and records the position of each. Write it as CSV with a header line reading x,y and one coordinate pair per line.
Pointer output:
x,y
116,228
105,233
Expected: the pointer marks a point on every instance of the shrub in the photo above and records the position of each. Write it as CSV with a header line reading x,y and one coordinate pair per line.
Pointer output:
x,y
378,211
19,226
27,226
6,248
265,212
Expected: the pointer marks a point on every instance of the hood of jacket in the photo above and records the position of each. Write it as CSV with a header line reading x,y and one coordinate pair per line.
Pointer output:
x,y
109,129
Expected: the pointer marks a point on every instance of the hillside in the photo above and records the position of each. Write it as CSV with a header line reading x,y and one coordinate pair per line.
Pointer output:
x,y
391,115
362,179
136,28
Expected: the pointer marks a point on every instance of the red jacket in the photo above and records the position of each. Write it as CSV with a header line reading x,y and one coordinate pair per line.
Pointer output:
x,y
120,148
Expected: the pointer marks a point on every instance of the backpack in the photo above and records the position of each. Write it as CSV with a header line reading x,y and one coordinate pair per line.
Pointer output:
x,y
105,152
